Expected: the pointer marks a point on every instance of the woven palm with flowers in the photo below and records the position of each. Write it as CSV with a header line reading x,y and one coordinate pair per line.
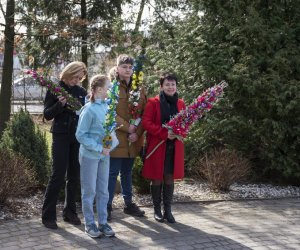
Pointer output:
x,y
110,124
135,109
181,123
42,80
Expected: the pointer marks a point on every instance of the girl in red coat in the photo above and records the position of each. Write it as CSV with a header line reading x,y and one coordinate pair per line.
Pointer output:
x,y
165,163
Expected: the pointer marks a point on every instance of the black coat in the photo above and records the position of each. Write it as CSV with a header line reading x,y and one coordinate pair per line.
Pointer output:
x,y
65,120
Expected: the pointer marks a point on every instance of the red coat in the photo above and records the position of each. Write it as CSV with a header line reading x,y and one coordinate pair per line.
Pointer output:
x,y
154,165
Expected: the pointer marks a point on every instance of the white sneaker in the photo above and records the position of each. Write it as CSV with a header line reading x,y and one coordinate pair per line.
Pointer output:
x,y
92,231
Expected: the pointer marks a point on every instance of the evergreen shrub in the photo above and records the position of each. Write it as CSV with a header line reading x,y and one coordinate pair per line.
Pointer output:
x,y
22,136
141,184
254,46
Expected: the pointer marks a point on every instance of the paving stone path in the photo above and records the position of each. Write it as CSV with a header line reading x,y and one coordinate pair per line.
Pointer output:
x,y
255,224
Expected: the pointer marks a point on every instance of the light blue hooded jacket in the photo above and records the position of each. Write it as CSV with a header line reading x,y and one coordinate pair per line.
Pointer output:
x,y
90,131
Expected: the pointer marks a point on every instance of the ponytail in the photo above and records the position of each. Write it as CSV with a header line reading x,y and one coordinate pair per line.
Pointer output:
x,y
92,97
97,81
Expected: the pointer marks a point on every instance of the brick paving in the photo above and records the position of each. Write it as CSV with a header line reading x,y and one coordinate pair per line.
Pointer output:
x,y
254,224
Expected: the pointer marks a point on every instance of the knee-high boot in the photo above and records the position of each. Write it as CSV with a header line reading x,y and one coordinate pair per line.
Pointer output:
x,y
168,191
156,198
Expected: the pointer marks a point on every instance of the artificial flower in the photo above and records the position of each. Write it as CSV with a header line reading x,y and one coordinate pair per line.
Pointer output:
x,y
110,123
181,123
73,103
134,95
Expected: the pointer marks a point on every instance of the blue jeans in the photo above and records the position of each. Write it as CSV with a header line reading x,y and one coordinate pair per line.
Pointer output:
x,y
94,184
124,167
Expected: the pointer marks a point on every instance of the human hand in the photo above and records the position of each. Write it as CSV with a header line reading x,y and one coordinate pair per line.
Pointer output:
x,y
62,100
133,137
171,135
131,129
105,151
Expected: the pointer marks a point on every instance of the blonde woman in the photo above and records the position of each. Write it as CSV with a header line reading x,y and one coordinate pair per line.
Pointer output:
x,y
65,147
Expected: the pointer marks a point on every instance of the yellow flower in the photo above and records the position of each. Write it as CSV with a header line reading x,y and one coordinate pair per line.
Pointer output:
x,y
134,76
140,78
141,74
134,87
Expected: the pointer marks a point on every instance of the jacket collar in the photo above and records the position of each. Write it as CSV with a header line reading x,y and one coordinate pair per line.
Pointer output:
x,y
124,84
100,101
65,86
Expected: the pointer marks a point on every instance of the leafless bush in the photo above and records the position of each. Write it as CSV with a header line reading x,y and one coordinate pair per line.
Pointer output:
x,y
16,174
222,168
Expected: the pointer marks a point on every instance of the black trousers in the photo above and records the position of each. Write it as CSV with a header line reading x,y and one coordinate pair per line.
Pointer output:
x,y
65,150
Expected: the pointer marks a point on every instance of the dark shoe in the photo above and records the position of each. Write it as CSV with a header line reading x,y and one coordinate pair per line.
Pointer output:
x,y
169,217
133,210
156,198
158,215
50,224
72,219
109,210
168,191
92,231
106,230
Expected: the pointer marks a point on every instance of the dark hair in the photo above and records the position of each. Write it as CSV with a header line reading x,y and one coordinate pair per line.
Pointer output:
x,y
168,76
124,59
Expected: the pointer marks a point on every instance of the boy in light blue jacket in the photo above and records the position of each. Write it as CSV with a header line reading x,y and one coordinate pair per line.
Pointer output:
x,y
94,158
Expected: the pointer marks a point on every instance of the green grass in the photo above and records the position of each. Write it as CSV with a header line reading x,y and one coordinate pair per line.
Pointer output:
x,y
44,126
49,142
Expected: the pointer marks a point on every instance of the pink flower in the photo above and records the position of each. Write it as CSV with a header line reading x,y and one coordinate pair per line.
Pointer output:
x,y
43,83
211,99
57,89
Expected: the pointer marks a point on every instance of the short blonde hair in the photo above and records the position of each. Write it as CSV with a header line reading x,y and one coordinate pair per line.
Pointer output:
x,y
72,69
95,82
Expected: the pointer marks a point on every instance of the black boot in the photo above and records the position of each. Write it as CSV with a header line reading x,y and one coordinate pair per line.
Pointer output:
x,y
168,191
156,198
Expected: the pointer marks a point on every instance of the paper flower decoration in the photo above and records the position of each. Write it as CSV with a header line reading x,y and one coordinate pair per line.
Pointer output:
x,y
181,123
73,103
135,92
110,123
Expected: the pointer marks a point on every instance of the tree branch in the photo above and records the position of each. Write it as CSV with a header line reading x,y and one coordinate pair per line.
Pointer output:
x,y
2,10
169,29
140,13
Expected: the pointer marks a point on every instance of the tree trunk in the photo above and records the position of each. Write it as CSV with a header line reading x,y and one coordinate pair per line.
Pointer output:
x,y
138,20
8,64
84,36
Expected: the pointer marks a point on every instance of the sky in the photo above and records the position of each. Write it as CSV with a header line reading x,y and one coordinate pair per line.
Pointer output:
x,y
3,3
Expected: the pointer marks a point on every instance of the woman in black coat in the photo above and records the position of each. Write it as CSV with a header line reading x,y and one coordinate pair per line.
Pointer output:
x,y
65,147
